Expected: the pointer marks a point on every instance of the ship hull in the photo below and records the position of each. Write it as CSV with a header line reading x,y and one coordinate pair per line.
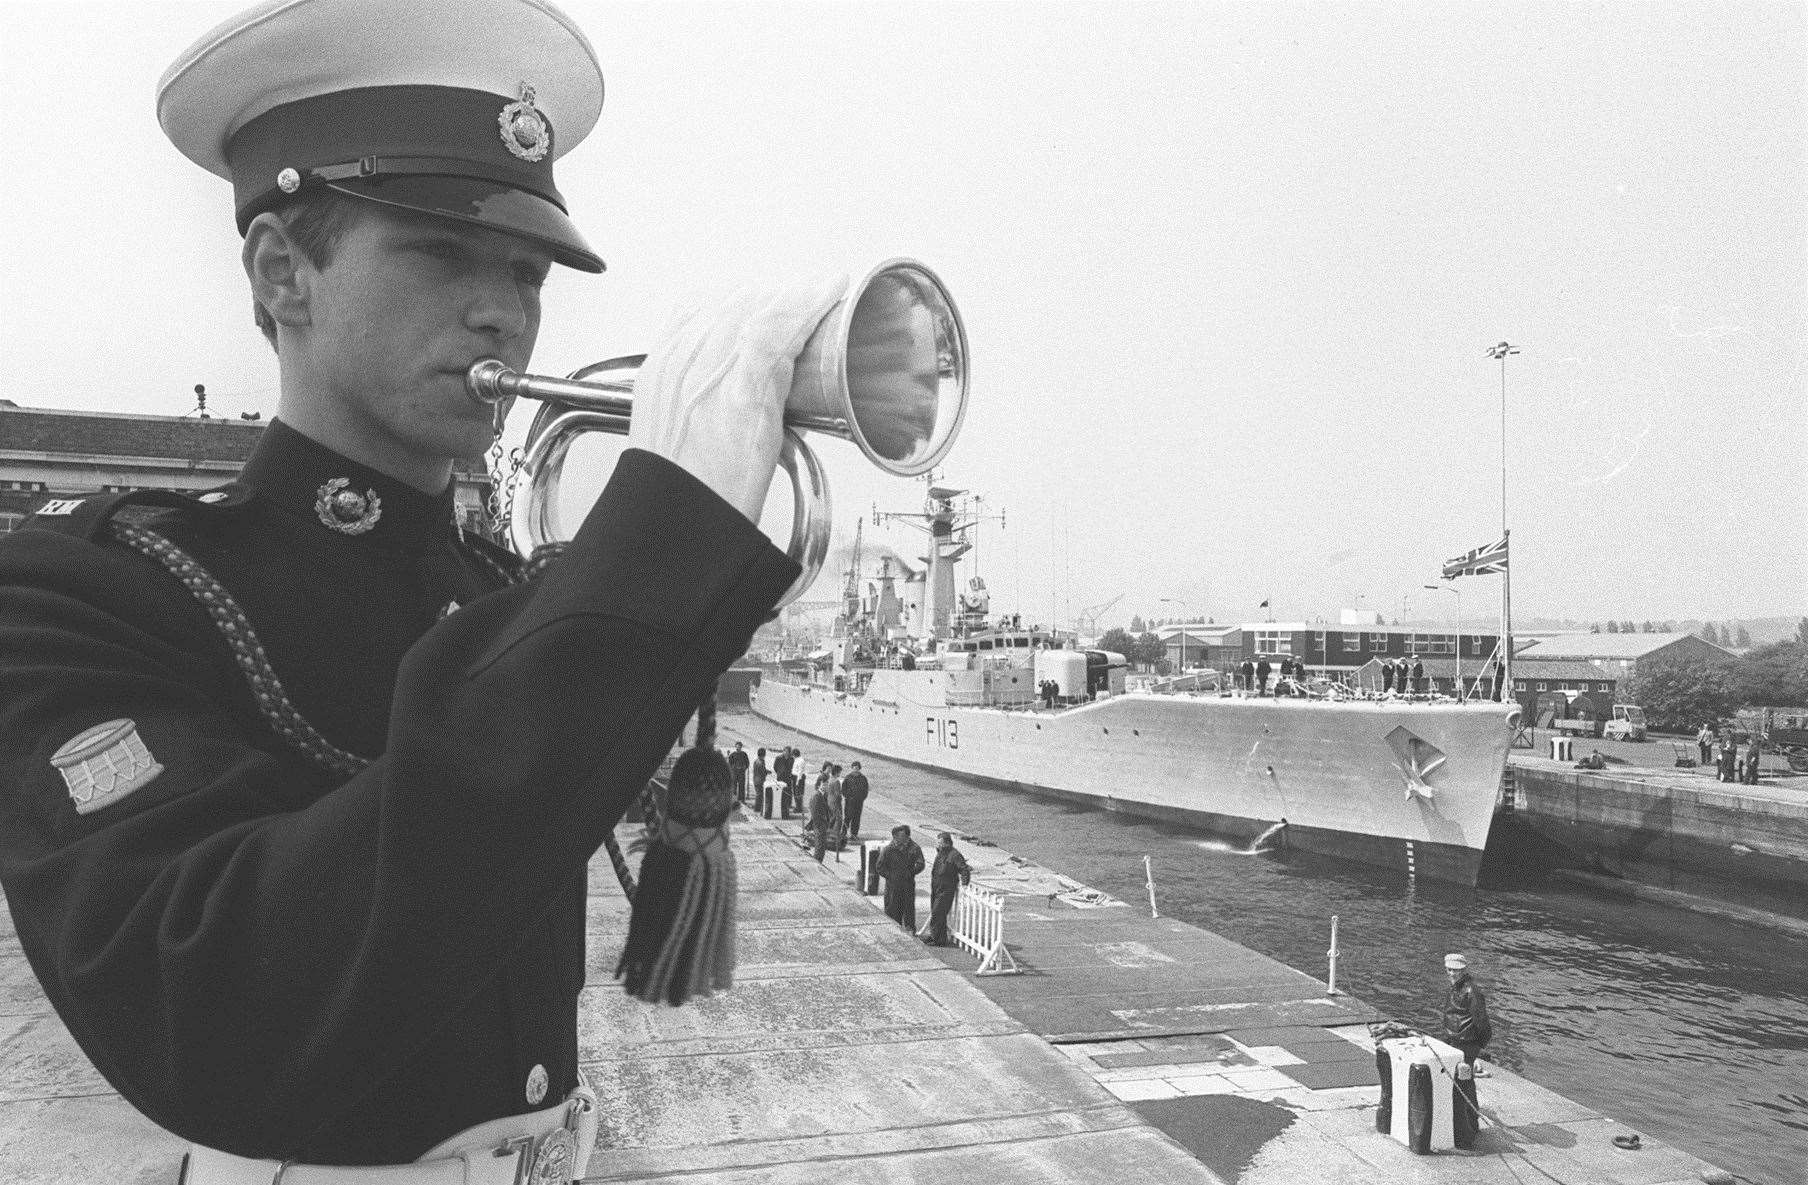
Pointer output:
x,y
1411,787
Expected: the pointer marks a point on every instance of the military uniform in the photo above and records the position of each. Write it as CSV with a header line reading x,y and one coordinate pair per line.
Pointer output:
x,y
276,959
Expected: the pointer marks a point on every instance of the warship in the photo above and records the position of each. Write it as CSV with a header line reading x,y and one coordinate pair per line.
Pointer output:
x,y
921,676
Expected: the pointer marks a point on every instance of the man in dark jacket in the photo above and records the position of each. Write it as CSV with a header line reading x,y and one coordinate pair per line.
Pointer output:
x,y
816,821
945,879
853,799
1262,669
1466,1026
737,768
781,769
1418,677
899,864
759,782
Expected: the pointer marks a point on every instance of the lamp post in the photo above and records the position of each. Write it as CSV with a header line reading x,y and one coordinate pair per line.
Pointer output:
x,y
1452,590
1183,605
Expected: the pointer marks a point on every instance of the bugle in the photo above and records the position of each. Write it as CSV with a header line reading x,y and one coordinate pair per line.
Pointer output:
x,y
886,368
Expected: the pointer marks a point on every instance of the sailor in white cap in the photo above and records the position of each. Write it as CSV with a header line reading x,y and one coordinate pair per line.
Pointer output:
x,y
329,908
1466,1026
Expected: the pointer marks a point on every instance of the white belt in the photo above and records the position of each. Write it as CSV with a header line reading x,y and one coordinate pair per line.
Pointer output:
x,y
550,1147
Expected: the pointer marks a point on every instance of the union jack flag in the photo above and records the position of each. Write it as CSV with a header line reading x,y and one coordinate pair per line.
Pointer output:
x,y
1479,562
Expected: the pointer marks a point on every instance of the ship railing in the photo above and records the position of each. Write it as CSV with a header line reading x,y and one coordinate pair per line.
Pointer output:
x,y
976,923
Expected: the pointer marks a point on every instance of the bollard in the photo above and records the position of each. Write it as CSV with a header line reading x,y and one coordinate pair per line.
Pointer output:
x,y
1149,878
869,866
1384,1066
1331,979
1418,1109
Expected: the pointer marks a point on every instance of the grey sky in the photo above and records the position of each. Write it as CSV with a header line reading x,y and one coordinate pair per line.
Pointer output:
x,y
1229,272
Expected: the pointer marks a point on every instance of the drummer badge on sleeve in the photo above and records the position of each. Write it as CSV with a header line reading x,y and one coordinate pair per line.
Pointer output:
x,y
104,764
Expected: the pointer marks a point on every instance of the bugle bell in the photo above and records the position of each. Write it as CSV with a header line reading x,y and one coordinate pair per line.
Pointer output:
x,y
886,368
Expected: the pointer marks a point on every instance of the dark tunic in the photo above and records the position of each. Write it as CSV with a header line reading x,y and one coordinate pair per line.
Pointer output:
x,y
899,864
278,961
853,799
1466,1023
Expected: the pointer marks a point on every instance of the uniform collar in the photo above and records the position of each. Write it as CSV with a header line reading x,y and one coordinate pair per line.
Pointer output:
x,y
312,482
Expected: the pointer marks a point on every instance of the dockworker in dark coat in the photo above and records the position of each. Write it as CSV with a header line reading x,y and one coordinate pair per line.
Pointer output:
x,y
854,789
949,873
1466,1026
1418,677
817,821
1262,669
299,781
899,864
781,769
760,773
737,766
1387,677
1248,672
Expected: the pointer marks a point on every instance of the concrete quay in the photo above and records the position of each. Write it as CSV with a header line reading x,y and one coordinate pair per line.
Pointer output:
x,y
1130,1048
1676,830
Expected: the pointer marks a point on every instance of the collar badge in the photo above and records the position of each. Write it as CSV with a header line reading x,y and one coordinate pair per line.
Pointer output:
x,y
525,132
346,510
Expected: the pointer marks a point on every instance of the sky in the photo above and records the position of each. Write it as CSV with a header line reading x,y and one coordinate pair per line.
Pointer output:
x,y
1229,275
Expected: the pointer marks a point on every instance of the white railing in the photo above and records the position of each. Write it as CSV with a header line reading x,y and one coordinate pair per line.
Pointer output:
x,y
977,923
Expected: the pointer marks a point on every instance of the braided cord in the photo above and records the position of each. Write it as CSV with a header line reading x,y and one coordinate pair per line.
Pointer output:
x,y
254,664
247,650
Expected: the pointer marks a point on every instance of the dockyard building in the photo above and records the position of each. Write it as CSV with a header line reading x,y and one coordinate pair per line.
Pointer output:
x,y
47,453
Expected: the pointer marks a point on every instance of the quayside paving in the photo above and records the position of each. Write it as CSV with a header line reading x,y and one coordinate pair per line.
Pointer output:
x,y
1129,1049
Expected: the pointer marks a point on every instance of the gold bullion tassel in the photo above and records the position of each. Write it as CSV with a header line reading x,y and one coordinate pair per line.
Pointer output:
x,y
681,933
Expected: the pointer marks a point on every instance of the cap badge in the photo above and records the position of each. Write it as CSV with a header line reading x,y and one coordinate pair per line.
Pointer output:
x,y
525,131
104,764
345,510
288,181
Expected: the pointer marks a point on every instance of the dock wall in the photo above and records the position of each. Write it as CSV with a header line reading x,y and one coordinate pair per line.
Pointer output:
x,y
1742,843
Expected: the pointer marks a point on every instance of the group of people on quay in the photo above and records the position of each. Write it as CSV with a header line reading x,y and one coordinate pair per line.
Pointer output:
x,y
831,816
901,862
1733,760
836,796
1252,675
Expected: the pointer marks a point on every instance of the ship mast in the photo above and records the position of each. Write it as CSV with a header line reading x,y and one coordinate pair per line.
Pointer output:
x,y
945,518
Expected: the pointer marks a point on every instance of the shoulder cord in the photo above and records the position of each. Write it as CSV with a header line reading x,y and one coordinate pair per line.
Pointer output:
x,y
248,652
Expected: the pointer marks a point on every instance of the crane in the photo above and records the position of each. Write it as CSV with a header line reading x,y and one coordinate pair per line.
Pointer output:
x,y
1086,621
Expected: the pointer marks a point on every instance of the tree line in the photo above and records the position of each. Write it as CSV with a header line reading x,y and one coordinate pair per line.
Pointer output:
x,y
1680,695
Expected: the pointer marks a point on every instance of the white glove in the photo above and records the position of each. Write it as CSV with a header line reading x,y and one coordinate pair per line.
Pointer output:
x,y
711,395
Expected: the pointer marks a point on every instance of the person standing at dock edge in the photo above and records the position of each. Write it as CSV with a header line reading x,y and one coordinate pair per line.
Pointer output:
x,y
330,911
899,864
853,798
759,783
1466,1026
816,820
945,879
1262,669
737,767
781,770
1704,741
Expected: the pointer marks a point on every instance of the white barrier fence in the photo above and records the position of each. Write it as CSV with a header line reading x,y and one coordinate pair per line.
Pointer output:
x,y
977,923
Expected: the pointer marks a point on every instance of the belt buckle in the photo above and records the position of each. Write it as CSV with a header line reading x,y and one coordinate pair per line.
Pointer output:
x,y
550,1159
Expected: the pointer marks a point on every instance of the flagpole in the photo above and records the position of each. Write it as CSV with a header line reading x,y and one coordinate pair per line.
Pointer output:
x,y
1506,576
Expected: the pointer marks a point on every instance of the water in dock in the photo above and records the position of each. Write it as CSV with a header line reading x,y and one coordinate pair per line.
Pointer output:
x,y
1687,1025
